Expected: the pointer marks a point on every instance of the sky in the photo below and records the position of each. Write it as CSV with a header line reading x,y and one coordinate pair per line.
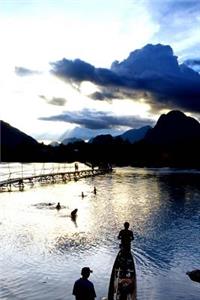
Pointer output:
x,y
78,68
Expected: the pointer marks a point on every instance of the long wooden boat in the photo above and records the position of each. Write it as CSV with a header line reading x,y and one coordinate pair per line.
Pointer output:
x,y
123,278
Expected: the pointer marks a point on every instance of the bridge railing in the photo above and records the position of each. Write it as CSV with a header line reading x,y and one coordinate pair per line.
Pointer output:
x,y
17,170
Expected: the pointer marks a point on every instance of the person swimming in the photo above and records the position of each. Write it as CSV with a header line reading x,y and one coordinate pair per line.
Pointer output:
x,y
58,206
74,213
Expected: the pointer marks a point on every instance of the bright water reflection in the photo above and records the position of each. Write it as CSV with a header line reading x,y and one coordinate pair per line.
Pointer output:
x,y
43,250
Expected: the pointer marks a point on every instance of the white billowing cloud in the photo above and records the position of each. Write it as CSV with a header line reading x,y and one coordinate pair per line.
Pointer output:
x,y
45,35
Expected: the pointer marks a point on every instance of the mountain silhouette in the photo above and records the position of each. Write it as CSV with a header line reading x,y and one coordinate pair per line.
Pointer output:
x,y
135,135
12,137
174,128
15,144
131,136
174,142
102,139
85,133
67,141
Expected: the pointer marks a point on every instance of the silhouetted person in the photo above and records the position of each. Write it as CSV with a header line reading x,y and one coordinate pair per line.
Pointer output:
x,y
125,287
194,275
74,214
83,288
95,190
58,206
82,195
126,236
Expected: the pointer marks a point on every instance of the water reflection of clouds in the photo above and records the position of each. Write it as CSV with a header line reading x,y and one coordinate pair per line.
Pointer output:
x,y
164,216
132,202
165,234
156,203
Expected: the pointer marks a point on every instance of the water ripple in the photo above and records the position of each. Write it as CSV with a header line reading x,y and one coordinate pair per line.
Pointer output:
x,y
43,250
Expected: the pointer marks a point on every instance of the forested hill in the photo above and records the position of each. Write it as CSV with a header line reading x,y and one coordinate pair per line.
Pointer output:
x,y
174,141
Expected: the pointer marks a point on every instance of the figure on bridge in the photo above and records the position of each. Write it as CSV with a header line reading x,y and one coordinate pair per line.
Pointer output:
x,y
95,190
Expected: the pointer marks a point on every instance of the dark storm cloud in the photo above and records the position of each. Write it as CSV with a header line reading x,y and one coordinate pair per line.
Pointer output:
x,y
54,100
20,71
99,120
101,96
112,93
152,73
78,71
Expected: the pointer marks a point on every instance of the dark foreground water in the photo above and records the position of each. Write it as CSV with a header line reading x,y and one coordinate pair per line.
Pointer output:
x,y
42,250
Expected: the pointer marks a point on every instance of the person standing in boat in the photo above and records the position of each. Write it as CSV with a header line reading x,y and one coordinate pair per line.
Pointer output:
x,y
126,237
83,288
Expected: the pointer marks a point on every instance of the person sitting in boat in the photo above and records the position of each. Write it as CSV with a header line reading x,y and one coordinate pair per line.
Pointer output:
x,y
125,287
83,288
126,236
58,206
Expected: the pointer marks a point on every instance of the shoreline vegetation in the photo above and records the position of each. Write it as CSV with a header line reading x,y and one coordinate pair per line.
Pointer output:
x,y
173,142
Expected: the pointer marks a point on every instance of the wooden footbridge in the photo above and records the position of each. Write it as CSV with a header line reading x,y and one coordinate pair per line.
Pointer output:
x,y
20,179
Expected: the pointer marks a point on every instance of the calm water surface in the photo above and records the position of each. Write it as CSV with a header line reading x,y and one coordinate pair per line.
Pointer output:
x,y
42,250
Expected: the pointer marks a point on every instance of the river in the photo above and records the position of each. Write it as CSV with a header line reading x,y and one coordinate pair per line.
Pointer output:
x,y
42,250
